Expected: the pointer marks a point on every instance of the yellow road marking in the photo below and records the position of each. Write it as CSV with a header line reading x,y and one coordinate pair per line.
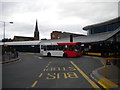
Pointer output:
x,y
64,68
72,69
85,76
33,85
40,75
72,75
75,74
51,76
107,83
51,69
98,54
58,75
45,69
58,68
54,68
65,75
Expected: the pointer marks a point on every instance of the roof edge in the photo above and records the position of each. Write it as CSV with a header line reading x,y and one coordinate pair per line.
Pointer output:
x,y
102,23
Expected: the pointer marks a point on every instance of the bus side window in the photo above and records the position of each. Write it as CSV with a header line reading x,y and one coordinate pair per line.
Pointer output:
x,y
45,48
65,48
60,47
71,48
57,47
78,47
42,47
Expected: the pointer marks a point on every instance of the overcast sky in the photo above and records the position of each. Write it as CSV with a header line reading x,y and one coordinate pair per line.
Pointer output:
x,y
53,15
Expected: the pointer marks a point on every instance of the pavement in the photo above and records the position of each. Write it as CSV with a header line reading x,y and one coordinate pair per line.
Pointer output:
x,y
107,75
11,60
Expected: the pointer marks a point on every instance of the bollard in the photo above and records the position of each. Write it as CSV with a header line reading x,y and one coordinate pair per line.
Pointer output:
x,y
108,62
105,69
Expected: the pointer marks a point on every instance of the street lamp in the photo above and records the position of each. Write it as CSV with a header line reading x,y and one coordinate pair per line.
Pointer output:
x,y
3,48
4,28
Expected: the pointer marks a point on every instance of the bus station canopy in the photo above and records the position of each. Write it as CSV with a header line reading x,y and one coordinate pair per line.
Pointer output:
x,y
22,43
97,37
83,39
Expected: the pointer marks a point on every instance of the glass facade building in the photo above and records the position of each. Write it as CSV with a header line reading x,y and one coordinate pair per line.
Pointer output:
x,y
104,28
108,38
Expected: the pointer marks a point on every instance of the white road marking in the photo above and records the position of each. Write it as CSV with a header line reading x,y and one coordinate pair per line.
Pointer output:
x,y
39,57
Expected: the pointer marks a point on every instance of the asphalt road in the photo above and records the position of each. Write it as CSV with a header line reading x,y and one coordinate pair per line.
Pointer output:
x,y
33,71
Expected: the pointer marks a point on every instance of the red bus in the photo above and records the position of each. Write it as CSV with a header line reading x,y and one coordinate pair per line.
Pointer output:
x,y
62,49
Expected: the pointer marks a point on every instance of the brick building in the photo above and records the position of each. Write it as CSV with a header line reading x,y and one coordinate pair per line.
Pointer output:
x,y
60,35
55,34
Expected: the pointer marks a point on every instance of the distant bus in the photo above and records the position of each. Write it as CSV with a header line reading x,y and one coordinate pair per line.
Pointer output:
x,y
62,50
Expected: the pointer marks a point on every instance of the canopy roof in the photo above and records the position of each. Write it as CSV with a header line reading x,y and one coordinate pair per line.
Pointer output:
x,y
83,39
22,43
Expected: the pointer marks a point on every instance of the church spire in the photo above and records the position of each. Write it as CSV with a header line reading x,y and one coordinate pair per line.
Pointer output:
x,y
36,32
36,27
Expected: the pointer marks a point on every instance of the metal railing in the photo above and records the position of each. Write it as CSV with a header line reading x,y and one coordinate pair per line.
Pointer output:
x,y
9,55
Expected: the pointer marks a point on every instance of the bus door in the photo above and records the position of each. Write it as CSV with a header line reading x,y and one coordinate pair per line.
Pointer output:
x,y
79,49
71,51
43,50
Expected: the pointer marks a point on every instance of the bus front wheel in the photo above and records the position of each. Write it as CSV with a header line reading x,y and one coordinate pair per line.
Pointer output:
x,y
48,54
65,55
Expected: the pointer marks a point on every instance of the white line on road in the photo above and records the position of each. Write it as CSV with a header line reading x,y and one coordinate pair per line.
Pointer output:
x,y
39,57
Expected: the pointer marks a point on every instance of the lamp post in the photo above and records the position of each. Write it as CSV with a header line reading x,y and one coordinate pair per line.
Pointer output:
x,y
3,48
4,23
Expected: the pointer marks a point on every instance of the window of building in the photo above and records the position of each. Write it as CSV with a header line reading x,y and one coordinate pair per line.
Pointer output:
x,y
99,29
104,28
118,37
114,26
